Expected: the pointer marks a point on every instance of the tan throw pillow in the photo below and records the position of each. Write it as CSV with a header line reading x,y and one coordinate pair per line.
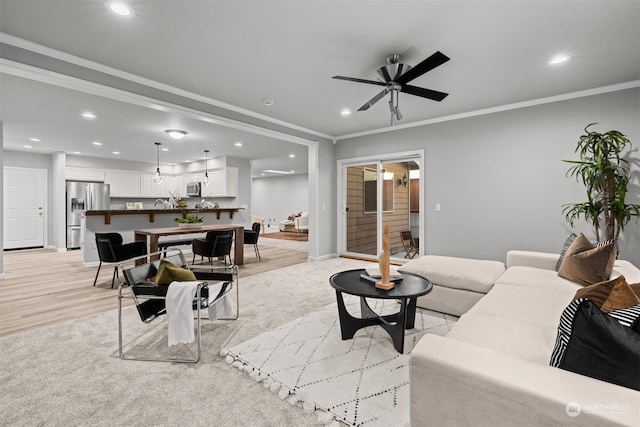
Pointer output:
x,y
169,272
586,264
612,295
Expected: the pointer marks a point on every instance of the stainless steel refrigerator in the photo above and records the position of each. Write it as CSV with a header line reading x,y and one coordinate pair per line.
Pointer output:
x,y
81,197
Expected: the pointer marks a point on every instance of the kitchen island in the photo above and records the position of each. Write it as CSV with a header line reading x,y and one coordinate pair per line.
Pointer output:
x,y
153,212
126,222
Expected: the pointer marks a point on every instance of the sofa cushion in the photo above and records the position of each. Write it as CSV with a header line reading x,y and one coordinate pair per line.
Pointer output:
x,y
538,278
460,273
599,345
586,264
517,320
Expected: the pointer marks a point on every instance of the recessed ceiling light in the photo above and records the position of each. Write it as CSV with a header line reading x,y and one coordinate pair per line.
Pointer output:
x,y
75,152
559,59
345,112
27,146
164,149
292,155
238,144
97,143
176,134
268,102
277,171
88,115
119,8
115,152
34,139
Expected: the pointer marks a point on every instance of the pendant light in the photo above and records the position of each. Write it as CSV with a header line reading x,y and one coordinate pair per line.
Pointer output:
x,y
158,178
206,180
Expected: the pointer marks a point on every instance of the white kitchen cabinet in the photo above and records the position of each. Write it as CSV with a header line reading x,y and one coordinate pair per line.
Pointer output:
x,y
176,185
224,183
150,189
123,183
83,174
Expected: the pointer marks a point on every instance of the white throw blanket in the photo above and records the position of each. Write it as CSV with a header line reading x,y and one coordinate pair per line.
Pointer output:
x,y
222,307
179,305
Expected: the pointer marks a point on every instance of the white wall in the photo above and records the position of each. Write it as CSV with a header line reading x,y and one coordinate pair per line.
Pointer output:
x,y
500,179
275,198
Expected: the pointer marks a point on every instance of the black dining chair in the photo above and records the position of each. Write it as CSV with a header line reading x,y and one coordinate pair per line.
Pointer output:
x,y
111,250
216,244
251,238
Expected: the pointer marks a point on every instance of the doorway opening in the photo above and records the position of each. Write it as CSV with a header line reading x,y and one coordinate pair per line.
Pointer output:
x,y
378,192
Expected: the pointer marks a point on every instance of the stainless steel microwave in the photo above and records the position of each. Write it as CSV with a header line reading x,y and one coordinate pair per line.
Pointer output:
x,y
193,189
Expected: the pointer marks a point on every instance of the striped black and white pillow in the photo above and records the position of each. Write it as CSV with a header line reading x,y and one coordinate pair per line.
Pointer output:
x,y
565,247
605,242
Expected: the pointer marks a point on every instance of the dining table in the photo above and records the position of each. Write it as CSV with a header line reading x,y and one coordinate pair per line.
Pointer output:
x,y
152,237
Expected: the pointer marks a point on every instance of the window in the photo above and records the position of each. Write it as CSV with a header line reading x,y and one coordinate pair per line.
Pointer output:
x,y
370,181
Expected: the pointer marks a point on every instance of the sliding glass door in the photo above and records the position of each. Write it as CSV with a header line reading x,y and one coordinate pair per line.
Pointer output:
x,y
376,194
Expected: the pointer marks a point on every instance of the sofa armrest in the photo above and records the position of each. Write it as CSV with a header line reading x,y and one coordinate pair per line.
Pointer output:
x,y
454,383
543,260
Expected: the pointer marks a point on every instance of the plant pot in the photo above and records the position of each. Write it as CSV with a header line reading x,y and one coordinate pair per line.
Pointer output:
x,y
189,225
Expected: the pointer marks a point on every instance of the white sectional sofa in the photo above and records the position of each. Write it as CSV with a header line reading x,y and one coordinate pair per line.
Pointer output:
x,y
493,369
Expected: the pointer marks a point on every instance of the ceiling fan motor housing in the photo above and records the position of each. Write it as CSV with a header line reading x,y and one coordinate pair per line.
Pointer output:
x,y
391,71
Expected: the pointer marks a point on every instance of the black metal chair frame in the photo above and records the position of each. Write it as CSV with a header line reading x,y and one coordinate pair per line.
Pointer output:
x,y
411,249
142,292
251,238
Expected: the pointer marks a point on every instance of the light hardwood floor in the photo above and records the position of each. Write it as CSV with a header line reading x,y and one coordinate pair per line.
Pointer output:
x,y
43,287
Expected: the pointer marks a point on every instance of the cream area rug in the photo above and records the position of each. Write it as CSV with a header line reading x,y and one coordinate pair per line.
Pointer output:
x,y
363,381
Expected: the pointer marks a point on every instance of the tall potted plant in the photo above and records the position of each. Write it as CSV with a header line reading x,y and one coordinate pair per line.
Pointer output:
x,y
605,174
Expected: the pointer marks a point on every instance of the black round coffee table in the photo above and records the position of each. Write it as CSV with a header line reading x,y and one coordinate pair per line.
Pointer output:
x,y
405,291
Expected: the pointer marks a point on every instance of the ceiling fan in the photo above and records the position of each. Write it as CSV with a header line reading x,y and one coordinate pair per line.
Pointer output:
x,y
395,76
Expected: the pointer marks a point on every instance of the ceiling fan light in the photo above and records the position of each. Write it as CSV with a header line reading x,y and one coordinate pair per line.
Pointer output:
x,y
176,134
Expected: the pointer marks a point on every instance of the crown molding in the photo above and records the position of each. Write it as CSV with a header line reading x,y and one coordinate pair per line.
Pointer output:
x,y
491,110
75,60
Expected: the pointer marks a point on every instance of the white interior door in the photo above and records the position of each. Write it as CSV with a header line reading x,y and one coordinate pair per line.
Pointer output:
x,y
24,207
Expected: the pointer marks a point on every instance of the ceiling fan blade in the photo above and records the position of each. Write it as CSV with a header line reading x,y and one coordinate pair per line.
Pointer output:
x,y
375,99
424,93
353,79
428,64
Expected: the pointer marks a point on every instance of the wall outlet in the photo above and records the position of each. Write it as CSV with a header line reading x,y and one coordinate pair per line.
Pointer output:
x,y
437,206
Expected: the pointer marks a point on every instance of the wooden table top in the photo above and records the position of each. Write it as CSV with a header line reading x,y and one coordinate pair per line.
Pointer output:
x,y
171,231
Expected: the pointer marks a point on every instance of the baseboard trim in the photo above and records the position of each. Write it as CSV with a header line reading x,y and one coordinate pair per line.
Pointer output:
x,y
323,257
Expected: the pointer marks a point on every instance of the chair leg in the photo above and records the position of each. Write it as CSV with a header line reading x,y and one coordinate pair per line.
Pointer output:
x,y
255,247
97,272
115,274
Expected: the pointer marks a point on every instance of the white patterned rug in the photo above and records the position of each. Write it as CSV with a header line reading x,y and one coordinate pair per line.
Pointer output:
x,y
363,381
